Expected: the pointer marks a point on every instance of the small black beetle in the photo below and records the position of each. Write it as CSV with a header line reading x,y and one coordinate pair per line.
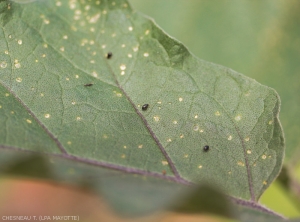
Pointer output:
x,y
109,55
206,148
88,84
145,107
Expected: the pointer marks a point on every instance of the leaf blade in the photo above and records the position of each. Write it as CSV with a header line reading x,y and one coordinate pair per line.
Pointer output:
x,y
192,103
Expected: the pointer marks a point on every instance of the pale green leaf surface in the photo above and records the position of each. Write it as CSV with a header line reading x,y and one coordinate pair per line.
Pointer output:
x,y
49,50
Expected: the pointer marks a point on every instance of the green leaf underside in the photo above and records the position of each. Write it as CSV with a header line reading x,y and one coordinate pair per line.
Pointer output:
x,y
50,49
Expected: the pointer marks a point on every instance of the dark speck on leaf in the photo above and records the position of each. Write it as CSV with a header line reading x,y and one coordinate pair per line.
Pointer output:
x,y
205,148
109,55
145,107
88,84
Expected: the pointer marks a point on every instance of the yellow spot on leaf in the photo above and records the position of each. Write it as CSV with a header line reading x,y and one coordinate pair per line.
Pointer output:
x,y
17,64
122,67
3,64
19,79
238,118
164,162
156,118
240,163
265,182
95,74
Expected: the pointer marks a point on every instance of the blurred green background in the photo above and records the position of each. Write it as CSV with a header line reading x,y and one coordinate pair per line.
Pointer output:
x,y
260,39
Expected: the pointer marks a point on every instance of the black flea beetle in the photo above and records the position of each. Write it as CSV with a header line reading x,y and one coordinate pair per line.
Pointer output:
x,y
109,55
206,148
145,107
